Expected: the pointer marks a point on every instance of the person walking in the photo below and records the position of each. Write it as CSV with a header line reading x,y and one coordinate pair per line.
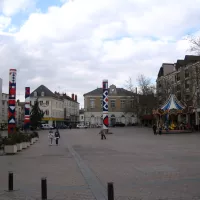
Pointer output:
x,y
50,136
154,129
57,136
103,136
160,130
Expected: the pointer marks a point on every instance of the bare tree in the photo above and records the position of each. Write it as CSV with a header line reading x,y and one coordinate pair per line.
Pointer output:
x,y
145,85
194,44
132,103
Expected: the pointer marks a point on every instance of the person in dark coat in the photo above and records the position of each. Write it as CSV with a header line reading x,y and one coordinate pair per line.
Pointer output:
x,y
160,130
57,136
154,129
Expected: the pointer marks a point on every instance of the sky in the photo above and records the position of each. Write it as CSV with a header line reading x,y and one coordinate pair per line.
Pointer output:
x,y
72,45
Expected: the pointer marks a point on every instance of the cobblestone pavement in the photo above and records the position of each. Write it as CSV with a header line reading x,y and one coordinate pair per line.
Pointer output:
x,y
141,165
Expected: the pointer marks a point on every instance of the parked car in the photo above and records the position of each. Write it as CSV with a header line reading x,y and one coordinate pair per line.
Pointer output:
x,y
81,126
119,124
99,125
46,126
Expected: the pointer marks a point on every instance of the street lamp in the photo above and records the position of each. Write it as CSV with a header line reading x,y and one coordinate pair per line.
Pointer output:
x,y
197,104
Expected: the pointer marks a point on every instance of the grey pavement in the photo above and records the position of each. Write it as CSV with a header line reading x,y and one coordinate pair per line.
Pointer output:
x,y
141,165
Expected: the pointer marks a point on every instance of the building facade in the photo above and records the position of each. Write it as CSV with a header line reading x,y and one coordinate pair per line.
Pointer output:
x,y
58,108
82,116
1,100
120,100
20,113
4,108
183,81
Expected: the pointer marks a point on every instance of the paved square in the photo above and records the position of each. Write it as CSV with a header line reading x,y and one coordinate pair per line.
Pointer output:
x,y
141,165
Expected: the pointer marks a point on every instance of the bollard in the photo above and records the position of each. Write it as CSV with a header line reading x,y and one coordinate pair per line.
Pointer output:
x,y
110,191
44,188
10,181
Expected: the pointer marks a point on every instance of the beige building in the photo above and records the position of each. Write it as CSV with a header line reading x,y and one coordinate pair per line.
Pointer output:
x,y
58,108
119,102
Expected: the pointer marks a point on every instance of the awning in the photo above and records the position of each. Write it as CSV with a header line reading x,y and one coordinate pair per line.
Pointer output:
x,y
172,103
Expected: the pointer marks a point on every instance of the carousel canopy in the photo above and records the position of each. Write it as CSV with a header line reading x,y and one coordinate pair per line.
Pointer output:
x,y
172,103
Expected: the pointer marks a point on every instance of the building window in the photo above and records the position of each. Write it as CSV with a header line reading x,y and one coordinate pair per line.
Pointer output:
x,y
187,97
122,103
35,94
42,94
178,78
187,73
131,103
187,85
92,103
101,100
112,103
47,112
47,103
82,117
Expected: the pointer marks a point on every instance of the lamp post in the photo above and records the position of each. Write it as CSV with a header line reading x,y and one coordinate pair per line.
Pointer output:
x,y
196,111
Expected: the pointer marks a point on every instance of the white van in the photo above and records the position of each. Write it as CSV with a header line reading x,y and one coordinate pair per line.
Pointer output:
x,y
46,126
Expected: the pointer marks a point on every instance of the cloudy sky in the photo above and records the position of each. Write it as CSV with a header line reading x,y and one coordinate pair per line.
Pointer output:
x,y
71,45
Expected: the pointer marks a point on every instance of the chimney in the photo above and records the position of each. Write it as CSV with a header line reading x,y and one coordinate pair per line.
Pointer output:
x,y
76,98
72,96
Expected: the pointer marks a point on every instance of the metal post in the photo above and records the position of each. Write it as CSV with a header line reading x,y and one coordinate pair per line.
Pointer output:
x,y
110,191
44,188
10,181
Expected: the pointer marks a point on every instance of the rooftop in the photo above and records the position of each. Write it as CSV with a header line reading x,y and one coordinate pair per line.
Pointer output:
x,y
119,92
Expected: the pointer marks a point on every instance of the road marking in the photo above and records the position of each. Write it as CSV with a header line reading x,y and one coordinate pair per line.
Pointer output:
x,y
93,182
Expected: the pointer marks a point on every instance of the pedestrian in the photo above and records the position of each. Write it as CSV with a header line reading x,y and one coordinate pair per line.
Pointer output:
x,y
50,136
154,129
57,136
160,130
103,136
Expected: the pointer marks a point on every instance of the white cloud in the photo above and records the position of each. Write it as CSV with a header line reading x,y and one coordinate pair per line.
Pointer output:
x,y
4,22
11,7
77,45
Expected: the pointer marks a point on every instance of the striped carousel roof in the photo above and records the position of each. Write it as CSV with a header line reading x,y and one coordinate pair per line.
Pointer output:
x,y
172,103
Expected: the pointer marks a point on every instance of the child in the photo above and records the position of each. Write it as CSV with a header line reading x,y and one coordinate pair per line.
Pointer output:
x,y
51,136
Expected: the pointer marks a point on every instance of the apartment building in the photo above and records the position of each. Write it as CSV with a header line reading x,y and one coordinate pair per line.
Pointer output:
x,y
182,79
4,108
71,108
119,98
51,104
58,108
1,100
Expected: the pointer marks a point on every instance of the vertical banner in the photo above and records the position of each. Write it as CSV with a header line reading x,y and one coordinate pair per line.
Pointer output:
x,y
27,108
105,104
12,101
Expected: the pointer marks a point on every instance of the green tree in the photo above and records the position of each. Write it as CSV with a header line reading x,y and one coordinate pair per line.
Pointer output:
x,y
36,115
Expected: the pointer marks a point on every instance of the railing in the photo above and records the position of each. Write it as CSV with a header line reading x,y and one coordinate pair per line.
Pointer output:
x,y
44,194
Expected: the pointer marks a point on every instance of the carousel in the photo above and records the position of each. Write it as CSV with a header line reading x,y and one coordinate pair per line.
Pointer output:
x,y
167,115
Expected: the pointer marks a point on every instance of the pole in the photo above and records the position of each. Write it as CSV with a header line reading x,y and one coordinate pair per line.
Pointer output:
x,y
12,101
44,188
27,108
105,105
110,191
10,181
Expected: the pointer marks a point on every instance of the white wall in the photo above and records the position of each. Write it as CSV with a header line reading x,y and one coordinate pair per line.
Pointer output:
x,y
118,117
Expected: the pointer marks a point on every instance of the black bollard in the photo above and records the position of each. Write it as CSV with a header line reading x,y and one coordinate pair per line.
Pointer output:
x,y
110,191
10,181
44,188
